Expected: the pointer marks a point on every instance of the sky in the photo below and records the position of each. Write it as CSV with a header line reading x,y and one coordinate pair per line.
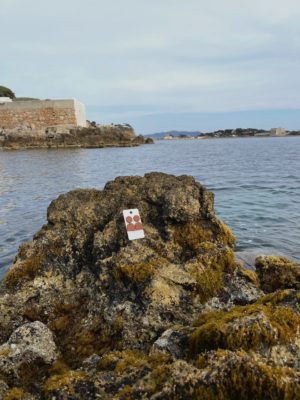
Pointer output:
x,y
158,64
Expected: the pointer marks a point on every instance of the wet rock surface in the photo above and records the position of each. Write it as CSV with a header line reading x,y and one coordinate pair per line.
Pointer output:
x,y
87,314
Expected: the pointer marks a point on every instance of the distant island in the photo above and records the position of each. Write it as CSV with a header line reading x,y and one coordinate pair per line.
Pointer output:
x,y
223,133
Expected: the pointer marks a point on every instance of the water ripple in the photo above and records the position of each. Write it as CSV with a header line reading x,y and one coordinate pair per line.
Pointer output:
x,y
257,189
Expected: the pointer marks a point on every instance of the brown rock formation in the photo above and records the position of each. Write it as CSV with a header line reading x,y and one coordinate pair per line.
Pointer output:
x,y
171,316
63,137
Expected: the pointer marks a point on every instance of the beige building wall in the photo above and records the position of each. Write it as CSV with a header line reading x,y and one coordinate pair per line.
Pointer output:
x,y
38,114
80,113
278,132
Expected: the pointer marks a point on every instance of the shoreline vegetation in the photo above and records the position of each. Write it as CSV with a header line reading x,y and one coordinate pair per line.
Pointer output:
x,y
88,314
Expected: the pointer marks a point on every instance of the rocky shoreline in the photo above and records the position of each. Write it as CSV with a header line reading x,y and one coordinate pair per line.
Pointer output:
x,y
61,137
88,314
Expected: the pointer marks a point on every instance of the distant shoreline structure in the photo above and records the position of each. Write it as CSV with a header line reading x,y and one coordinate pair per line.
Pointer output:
x,y
41,114
226,133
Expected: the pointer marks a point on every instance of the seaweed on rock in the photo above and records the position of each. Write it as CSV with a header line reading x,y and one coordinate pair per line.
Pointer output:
x,y
85,313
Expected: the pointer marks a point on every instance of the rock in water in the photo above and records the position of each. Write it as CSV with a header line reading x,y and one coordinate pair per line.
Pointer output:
x,y
62,136
275,272
171,316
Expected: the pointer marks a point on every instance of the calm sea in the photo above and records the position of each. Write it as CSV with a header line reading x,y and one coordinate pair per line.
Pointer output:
x,y
256,182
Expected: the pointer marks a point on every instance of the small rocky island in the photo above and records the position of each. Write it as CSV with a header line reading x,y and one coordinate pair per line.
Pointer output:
x,y
88,314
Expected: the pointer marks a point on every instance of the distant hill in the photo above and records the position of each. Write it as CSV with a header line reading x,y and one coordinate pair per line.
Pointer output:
x,y
174,133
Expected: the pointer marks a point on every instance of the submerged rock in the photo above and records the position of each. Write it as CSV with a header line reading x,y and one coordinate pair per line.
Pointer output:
x,y
144,319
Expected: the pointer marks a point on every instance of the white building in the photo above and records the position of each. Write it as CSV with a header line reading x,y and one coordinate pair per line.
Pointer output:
x,y
168,137
5,100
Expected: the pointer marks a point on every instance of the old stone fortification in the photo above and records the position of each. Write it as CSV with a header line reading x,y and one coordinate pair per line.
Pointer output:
x,y
58,123
40,114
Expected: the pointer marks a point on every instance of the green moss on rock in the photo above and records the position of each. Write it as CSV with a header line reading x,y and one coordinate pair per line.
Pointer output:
x,y
15,394
209,279
64,381
157,364
119,361
248,275
226,235
276,273
141,272
249,328
208,269
5,352
280,297
191,235
23,271
237,376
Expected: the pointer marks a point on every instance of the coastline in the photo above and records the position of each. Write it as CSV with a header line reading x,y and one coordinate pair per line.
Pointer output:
x,y
92,137
225,137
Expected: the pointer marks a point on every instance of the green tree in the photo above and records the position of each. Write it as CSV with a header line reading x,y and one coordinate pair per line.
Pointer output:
x,y
6,92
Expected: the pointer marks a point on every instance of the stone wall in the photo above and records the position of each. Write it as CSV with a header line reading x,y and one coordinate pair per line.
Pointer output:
x,y
39,114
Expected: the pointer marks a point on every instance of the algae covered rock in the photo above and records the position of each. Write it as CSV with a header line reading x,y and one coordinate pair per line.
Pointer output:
x,y
96,289
275,272
168,316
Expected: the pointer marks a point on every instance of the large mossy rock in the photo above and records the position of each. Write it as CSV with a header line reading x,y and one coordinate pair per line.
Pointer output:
x,y
144,319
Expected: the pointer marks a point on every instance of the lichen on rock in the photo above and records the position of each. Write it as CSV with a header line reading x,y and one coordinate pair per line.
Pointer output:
x,y
170,316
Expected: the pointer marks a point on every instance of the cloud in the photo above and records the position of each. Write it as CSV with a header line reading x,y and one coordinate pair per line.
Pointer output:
x,y
167,56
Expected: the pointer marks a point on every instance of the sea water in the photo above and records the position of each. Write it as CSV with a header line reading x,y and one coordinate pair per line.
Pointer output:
x,y
256,182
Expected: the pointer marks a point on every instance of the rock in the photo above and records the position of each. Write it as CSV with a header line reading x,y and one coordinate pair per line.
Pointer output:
x,y
91,363
94,315
149,141
17,393
275,272
62,136
172,342
248,257
35,339
241,288
139,139
229,375
31,346
3,389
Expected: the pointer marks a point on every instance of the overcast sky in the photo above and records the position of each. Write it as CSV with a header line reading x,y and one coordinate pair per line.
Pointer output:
x,y
158,64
